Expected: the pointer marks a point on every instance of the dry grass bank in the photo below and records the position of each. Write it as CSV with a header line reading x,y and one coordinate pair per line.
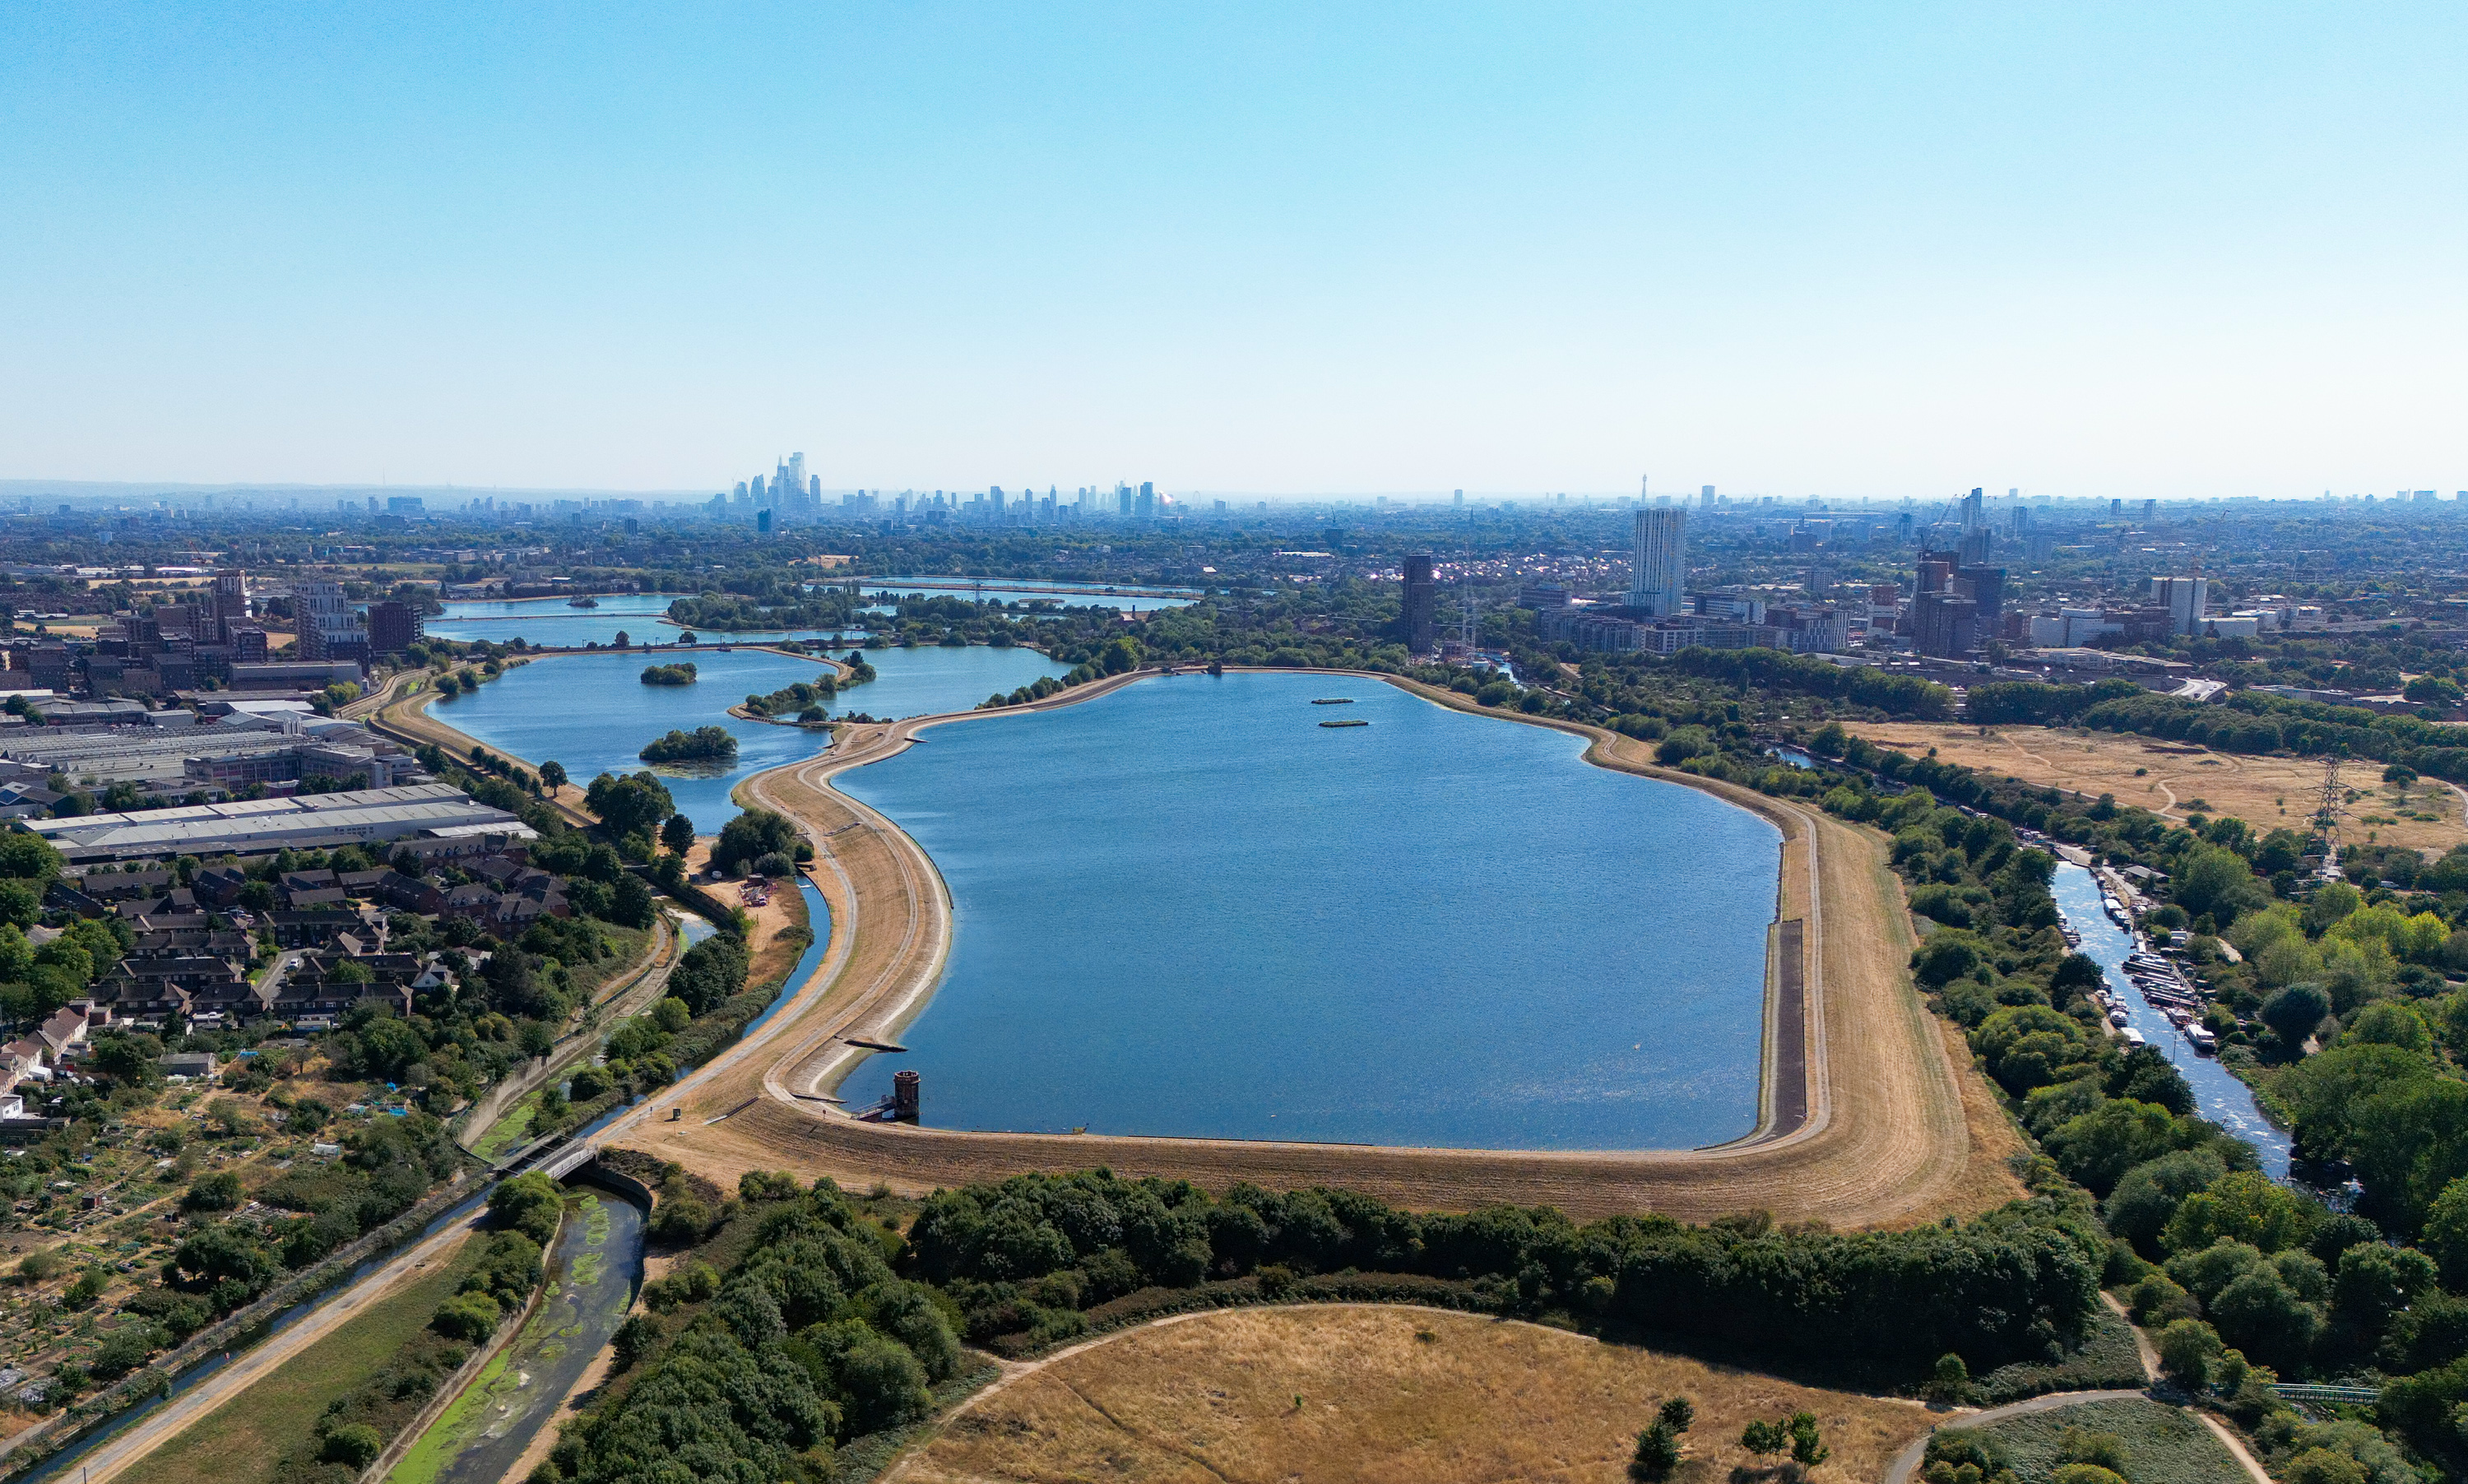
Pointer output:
x,y
2267,794
1375,1395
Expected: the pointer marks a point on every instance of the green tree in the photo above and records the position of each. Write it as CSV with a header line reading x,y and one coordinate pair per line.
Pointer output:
x,y
551,775
631,905
630,805
2097,1148
2295,1012
469,1318
2188,1349
1948,1381
677,834
2375,1282
752,835
528,1204
2446,1233
219,1191
2247,1207
1765,1438
2216,883
355,1445
2325,1465
1657,1453
1945,958
1807,1447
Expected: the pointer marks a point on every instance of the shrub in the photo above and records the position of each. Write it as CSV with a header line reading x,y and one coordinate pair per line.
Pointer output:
x,y
469,1318
356,1445
216,1192
2186,1350
530,1204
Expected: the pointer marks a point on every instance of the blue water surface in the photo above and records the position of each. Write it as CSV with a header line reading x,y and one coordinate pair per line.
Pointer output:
x,y
1071,595
554,622
1187,908
2218,1095
593,714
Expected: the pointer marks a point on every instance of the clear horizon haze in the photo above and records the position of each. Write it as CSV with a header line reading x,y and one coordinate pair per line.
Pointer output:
x,y
1869,250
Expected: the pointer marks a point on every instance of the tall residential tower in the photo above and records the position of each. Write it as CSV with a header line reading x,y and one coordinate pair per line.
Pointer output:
x,y
1660,573
1422,604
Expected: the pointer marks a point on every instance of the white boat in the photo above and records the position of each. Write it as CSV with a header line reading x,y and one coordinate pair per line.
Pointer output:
x,y
2133,1036
2120,1018
2201,1037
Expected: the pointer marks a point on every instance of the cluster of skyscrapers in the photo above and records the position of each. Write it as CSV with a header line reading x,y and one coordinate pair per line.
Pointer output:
x,y
792,497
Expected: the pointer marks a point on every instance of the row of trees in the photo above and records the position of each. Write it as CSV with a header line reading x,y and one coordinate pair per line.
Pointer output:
x,y
2005,1286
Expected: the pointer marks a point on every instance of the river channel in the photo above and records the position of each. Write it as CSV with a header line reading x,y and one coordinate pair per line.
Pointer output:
x,y
593,1273
1190,908
2218,1095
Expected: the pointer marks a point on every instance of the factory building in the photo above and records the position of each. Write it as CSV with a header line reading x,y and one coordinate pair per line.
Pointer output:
x,y
320,821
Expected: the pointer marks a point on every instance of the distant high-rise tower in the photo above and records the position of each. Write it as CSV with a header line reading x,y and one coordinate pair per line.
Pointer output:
x,y
394,628
327,626
2187,600
2150,512
1706,497
1422,604
1661,568
226,607
1974,518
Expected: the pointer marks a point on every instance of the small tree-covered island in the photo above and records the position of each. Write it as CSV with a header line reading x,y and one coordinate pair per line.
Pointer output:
x,y
703,744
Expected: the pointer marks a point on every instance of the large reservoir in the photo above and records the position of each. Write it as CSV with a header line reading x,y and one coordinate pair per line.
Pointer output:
x,y
1187,908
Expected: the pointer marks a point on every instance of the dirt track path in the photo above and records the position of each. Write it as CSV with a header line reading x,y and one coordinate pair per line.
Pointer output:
x,y
1895,1133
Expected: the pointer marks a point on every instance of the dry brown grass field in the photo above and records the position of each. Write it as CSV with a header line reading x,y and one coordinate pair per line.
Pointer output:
x,y
2267,794
1374,1394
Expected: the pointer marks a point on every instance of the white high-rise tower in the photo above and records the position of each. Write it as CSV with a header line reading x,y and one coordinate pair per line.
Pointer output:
x,y
1661,570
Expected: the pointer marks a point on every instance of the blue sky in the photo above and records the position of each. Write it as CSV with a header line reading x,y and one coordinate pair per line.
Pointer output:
x,y
2109,250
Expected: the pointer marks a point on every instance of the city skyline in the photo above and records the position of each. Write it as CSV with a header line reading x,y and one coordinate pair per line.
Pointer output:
x,y
2103,251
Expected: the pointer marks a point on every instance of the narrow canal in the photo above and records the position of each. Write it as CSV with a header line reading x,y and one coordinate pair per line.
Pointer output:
x,y
2218,1095
592,1277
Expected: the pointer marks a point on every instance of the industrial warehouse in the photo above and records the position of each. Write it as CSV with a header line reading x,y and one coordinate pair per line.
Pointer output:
x,y
317,821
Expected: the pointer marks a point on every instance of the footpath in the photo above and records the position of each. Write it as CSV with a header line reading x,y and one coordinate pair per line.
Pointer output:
x,y
1906,1465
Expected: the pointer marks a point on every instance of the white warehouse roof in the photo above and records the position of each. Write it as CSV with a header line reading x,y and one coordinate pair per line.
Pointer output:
x,y
301,820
